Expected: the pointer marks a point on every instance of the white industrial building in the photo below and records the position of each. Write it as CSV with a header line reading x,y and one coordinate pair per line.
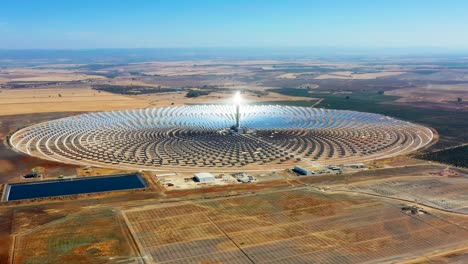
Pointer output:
x,y
204,177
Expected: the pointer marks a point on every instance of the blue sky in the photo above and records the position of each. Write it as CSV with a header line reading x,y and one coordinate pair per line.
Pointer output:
x,y
83,24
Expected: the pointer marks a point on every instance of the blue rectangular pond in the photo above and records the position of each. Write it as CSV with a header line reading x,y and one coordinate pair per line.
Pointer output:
x,y
18,191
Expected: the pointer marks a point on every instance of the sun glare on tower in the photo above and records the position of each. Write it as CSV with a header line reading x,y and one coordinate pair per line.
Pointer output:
x,y
237,98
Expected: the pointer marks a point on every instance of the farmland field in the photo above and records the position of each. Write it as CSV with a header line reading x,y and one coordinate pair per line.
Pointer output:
x,y
455,156
86,237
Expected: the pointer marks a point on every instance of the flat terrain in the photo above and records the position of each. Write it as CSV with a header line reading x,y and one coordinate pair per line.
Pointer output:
x,y
445,193
457,156
357,76
354,217
286,225
46,100
328,219
53,73
297,226
95,236
179,98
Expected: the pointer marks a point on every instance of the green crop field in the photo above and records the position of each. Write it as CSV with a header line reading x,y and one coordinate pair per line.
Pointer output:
x,y
455,156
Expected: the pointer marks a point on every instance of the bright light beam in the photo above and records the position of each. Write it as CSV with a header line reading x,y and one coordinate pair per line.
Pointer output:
x,y
237,98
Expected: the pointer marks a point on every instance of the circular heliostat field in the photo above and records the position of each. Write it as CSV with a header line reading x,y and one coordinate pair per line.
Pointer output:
x,y
199,137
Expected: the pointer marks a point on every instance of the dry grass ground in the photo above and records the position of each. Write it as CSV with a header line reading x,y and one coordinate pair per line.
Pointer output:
x,y
14,165
432,93
447,193
82,99
85,99
90,236
357,76
6,222
444,97
291,75
275,221
187,68
178,98
295,226
42,75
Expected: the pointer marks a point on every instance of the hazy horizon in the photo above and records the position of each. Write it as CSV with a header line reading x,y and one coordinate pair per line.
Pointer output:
x,y
23,57
241,24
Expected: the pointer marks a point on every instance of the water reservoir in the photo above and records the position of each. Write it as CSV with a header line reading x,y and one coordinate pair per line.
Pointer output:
x,y
18,191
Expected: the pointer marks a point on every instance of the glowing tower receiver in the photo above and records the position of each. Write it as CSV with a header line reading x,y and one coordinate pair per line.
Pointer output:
x,y
237,102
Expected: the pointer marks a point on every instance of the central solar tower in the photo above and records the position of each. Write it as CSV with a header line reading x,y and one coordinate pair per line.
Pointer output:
x,y
237,102
215,138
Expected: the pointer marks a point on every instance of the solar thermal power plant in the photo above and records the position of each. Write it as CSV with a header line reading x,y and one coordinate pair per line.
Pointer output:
x,y
210,136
